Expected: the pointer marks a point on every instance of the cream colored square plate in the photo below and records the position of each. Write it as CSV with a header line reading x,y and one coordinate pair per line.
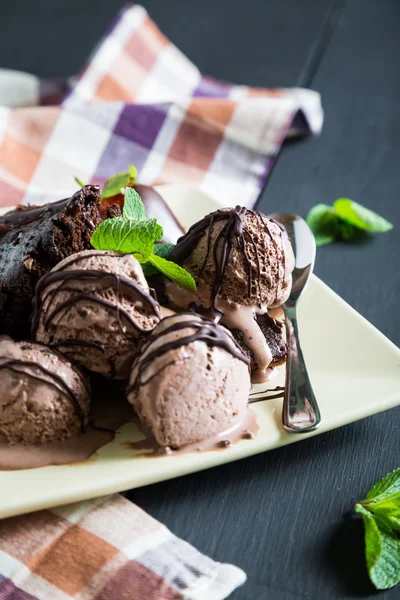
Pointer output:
x,y
354,368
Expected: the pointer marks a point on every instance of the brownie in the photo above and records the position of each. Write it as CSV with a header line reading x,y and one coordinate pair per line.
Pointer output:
x,y
32,241
113,210
272,330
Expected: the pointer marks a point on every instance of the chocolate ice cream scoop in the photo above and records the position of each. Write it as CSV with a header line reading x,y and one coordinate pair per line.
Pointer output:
x,y
95,307
190,382
43,398
242,264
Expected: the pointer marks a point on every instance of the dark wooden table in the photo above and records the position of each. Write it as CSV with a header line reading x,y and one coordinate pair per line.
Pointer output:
x,y
281,516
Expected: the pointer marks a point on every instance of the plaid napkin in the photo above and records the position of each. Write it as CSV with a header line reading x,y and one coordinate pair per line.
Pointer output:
x,y
140,100
105,549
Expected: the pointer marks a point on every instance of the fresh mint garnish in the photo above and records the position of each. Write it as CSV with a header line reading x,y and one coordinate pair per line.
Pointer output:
x,y
347,231
323,223
132,172
162,250
174,272
133,206
344,220
114,185
134,233
361,217
387,487
381,515
149,270
127,236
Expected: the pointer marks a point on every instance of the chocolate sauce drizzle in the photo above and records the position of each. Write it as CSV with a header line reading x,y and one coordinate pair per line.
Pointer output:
x,y
23,368
205,331
233,233
268,394
102,281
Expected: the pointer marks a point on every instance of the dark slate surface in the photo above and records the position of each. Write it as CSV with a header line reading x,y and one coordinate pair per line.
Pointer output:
x,y
281,516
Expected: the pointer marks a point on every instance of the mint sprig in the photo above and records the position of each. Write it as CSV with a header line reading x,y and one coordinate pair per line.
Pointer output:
x,y
134,233
133,206
322,221
344,220
174,272
381,515
127,236
115,184
360,216
162,250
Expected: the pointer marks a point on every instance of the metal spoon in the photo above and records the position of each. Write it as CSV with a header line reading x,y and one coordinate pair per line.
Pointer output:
x,y
300,409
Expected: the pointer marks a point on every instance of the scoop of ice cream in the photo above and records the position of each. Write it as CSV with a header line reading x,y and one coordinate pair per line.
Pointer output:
x,y
43,397
190,382
238,256
242,264
95,307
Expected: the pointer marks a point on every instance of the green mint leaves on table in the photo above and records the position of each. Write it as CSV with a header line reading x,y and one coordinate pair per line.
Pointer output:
x,y
134,233
381,515
344,220
322,221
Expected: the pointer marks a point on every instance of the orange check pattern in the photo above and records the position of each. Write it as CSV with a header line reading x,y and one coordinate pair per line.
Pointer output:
x,y
104,549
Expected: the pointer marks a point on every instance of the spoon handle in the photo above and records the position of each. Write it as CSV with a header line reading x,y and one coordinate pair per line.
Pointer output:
x,y
300,409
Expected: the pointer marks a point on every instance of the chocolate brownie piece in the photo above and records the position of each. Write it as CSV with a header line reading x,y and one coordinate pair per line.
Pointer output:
x,y
113,210
272,330
32,241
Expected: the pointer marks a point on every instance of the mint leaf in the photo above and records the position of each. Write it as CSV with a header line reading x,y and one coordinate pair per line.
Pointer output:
x,y
387,511
382,551
133,206
174,272
127,236
113,186
346,230
361,217
149,270
373,539
162,250
346,220
388,486
132,173
323,222
383,500
79,182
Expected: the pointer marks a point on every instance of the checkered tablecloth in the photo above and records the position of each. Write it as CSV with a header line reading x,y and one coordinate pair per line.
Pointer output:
x,y
105,549
140,100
